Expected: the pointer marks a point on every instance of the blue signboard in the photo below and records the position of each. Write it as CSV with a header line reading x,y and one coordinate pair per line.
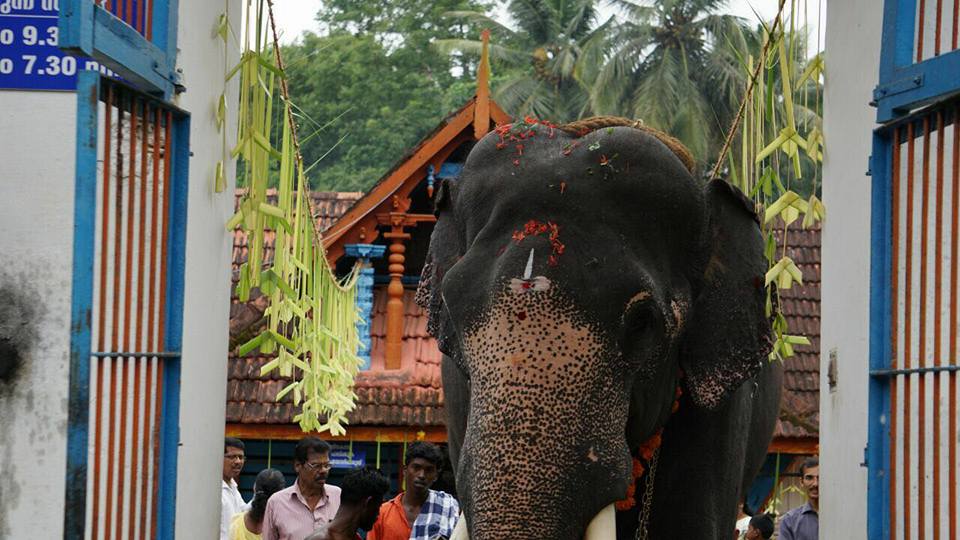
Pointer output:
x,y
341,457
29,57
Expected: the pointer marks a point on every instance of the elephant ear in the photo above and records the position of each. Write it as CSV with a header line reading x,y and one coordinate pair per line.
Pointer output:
x,y
446,247
728,338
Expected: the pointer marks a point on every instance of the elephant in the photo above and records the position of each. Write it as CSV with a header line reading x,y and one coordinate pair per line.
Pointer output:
x,y
579,279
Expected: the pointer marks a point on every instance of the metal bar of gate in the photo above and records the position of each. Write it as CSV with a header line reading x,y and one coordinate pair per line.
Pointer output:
x,y
937,305
115,312
895,312
152,305
161,335
138,360
922,337
121,363
920,16
908,320
101,322
955,210
85,196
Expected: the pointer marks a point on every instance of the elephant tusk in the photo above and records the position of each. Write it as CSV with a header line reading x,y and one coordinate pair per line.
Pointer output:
x,y
460,531
603,526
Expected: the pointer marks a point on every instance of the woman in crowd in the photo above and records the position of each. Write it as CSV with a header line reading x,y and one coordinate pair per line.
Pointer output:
x,y
247,525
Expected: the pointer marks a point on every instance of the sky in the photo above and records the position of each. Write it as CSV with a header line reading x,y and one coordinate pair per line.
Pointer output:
x,y
295,16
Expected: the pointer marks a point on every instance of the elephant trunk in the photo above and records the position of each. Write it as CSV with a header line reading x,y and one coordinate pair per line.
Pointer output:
x,y
545,447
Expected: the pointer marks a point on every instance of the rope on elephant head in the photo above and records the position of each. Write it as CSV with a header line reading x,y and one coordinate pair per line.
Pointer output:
x,y
580,128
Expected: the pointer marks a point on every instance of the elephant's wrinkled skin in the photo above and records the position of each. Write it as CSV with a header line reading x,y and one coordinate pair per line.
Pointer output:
x,y
642,279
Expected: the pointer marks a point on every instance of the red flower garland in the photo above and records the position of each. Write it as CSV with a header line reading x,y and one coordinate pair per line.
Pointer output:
x,y
645,453
536,228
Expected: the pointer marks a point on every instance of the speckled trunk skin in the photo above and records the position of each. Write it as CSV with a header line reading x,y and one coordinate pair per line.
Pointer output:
x,y
548,406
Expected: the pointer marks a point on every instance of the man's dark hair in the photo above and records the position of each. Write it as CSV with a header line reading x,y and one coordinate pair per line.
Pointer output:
x,y
268,482
809,463
230,442
310,445
361,483
763,523
424,450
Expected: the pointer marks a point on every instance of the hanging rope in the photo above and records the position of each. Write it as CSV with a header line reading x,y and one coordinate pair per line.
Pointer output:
x,y
743,104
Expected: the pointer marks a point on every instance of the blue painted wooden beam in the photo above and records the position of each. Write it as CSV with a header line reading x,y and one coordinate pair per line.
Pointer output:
x,y
878,430
170,429
365,252
74,35
88,29
917,85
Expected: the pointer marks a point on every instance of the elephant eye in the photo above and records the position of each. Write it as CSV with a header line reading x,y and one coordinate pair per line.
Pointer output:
x,y
639,317
639,330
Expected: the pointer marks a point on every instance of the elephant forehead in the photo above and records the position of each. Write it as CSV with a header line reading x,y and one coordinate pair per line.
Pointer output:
x,y
634,180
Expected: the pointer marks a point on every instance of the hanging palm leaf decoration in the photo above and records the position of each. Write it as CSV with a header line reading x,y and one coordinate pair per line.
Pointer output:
x,y
312,314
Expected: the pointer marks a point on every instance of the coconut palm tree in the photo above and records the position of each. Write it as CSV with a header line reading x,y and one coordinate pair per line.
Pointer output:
x,y
549,58
674,64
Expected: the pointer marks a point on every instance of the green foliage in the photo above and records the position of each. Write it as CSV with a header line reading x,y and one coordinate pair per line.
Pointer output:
x,y
372,87
350,87
673,63
780,151
549,59
385,73
312,315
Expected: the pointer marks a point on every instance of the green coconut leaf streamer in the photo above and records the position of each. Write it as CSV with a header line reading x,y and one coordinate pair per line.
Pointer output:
x,y
769,135
312,314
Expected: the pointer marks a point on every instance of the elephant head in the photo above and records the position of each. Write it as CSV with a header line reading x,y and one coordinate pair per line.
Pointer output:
x,y
574,281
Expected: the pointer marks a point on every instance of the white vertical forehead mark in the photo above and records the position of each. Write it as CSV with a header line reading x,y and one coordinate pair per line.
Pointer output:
x,y
528,271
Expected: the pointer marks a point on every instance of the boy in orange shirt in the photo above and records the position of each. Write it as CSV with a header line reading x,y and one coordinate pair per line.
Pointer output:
x,y
419,513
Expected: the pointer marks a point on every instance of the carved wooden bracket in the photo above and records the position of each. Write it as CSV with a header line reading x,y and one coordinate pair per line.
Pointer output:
x,y
397,221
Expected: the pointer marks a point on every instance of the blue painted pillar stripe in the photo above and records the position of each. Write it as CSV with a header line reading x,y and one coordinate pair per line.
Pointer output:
x,y
74,33
175,266
168,28
84,224
365,252
898,39
878,441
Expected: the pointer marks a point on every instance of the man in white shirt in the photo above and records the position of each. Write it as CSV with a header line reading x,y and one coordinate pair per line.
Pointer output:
x,y
231,502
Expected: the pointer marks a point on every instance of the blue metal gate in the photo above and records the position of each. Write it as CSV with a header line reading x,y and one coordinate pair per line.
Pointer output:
x,y
128,263
128,267
912,443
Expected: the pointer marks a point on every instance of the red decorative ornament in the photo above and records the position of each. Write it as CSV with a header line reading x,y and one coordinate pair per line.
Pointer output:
x,y
537,228
644,455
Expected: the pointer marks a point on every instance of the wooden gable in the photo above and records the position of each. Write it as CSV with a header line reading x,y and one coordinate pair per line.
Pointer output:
x,y
392,194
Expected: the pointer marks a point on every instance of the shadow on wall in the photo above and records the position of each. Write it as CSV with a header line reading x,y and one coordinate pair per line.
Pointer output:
x,y
17,331
18,323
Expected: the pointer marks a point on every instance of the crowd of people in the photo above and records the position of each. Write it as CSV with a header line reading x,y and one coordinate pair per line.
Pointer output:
x,y
312,509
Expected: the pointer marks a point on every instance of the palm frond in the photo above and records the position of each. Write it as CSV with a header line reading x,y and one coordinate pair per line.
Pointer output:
x,y
497,52
481,19
634,11
536,18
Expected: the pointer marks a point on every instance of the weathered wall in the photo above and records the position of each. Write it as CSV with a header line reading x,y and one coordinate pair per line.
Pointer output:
x,y
852,60
36,225
207,280
37,134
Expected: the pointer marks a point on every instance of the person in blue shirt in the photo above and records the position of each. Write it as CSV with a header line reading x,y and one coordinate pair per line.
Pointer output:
x,y
803,522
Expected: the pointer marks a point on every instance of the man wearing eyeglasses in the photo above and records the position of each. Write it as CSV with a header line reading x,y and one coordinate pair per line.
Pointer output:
x,y
295,512
803,522
231,503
